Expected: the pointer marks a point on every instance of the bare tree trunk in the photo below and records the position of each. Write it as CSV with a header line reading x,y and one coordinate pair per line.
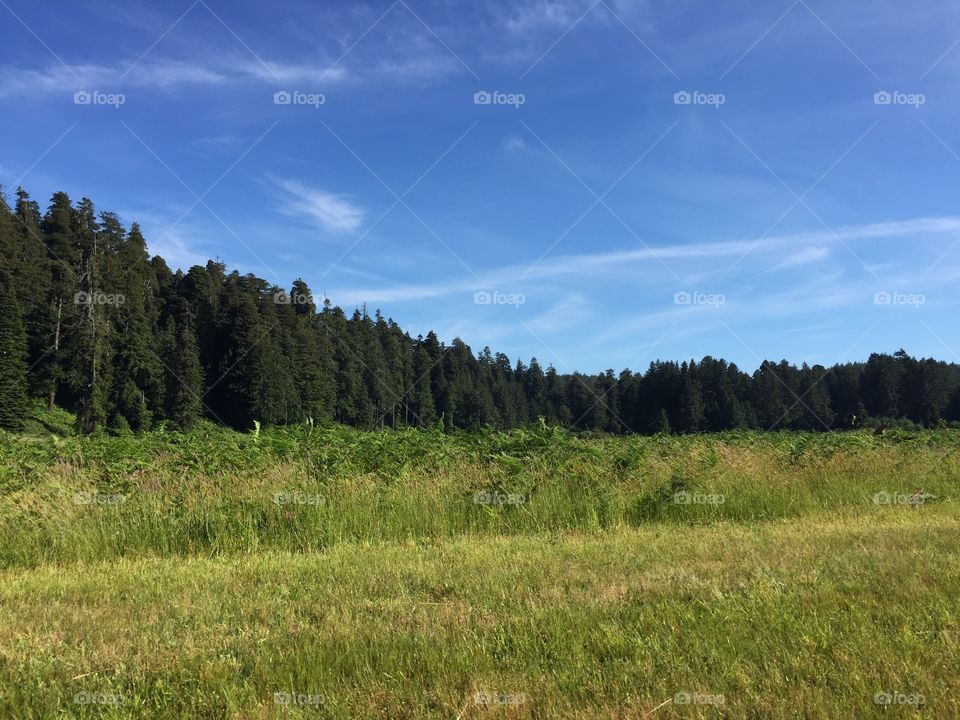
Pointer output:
x,y
51,398
89,402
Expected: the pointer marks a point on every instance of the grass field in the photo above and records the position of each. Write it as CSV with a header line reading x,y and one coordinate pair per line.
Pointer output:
x,y
323,572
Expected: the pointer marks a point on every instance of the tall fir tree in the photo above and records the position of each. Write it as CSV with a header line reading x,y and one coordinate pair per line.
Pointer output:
x,y
186,406
13,358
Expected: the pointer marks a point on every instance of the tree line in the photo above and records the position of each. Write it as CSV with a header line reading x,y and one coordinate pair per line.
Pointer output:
x,y
90,322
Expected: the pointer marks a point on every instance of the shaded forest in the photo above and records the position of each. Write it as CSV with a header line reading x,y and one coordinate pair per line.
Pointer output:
x,y
90,322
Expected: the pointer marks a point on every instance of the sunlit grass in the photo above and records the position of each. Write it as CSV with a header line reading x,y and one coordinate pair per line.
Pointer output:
x,y
160,570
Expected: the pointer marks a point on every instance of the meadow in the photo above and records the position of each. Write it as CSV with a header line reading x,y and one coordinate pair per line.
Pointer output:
x,y
319,571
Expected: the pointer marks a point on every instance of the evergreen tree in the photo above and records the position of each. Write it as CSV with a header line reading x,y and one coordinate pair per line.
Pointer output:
x,y
691,415
559,411
880,386
185,404
13,352
63,251
422,404
118,338
769,397
817,413
137,373
90,366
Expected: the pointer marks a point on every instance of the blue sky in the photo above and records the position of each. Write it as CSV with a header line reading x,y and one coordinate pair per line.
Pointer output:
x,y
650,180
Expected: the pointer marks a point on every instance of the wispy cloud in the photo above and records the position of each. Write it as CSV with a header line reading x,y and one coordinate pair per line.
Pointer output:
x,y
70,78
160,74
514,143
333,212
273,72
803,257
527,17
515,278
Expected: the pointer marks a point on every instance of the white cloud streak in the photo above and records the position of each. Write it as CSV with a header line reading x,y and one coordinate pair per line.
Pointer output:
x,y
813,246
332,212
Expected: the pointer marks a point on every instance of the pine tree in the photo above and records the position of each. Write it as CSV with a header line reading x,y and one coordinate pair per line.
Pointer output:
x,y
422,404
13,352
817,414
846,401
691,417
136,380
278,362
8,237
559,412
924,389
63,250
535,389
91,351
186,384
770,397
351,399
311,356
235,383
880,385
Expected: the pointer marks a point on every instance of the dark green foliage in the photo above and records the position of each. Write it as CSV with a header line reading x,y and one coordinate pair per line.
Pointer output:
x,y
122,341
185,384
13,353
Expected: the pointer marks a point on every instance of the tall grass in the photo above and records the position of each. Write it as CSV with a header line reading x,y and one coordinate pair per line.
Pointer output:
x,y
530,574
308,488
